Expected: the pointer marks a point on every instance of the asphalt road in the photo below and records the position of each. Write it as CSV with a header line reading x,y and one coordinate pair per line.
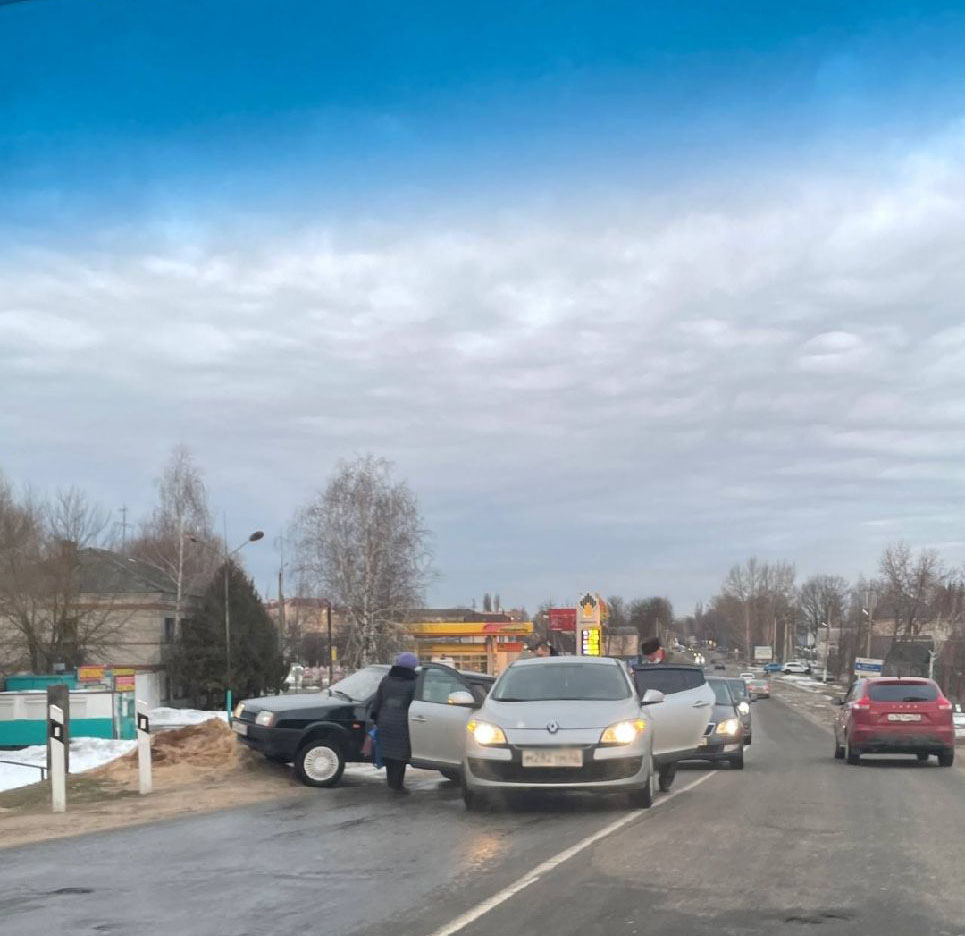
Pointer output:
x,y
797,842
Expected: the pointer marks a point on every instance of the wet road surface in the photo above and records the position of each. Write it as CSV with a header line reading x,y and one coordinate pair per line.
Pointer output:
x,y
797,842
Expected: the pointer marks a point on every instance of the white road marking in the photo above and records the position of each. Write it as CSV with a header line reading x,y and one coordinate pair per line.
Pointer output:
x,y
481,909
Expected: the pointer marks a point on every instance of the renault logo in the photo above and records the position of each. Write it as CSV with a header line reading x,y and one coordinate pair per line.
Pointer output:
x,y
552,727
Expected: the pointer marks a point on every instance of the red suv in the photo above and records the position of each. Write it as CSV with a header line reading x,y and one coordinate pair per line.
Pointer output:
x,y
895,716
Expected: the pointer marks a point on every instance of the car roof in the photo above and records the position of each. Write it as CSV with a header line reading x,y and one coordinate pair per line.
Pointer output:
x,y
553,661
470,674
668,666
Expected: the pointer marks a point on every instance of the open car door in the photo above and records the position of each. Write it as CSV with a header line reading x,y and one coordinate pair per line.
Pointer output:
x,y
681,719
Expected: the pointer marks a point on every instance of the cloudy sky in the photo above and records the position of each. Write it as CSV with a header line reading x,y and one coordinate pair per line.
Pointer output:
x,y
627,296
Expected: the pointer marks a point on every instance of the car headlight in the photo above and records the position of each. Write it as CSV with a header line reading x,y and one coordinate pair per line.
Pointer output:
x,y
729,726
624,732
743,708
265,719
484,733
239,708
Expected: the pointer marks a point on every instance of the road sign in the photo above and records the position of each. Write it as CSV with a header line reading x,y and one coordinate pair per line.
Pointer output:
x,y
866,666
763,654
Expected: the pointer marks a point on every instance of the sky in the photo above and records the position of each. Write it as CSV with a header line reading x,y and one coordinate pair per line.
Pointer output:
x,y
626,293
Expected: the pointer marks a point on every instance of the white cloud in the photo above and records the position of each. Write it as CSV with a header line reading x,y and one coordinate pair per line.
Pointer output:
x,y
696,376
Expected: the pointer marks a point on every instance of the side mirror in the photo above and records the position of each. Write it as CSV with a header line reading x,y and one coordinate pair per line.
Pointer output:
x,y
651,696
461,697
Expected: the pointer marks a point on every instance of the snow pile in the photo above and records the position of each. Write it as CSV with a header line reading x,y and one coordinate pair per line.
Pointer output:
x,y
85,754
181,718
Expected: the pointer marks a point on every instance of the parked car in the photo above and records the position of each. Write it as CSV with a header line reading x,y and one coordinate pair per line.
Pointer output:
x,y
719,666
773,668
797,667
758,687
563,723
680,721
894,716
958,719
321,732
723,738
742,699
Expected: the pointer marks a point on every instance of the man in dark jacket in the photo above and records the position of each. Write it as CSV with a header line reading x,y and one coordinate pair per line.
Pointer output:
x,y
390,712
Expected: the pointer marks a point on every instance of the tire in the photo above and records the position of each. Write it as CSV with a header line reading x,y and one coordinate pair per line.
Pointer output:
x,y
666,776
747,741
947,757
736,761
643,798
852,754
922,758
838,749
452,775
320,762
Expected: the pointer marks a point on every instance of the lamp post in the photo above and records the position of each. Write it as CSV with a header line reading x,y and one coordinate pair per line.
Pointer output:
x,y
328,614
253,538
827,650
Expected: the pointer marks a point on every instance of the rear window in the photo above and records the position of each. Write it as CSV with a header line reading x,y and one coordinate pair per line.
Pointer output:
x,y
902,692
667,681
573,681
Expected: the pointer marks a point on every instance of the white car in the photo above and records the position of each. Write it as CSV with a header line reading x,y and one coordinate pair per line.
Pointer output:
x,y
797,667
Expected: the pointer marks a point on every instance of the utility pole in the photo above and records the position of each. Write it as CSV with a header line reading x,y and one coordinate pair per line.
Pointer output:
x,y
124,528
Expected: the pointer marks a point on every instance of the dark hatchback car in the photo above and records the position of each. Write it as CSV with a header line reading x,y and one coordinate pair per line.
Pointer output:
x,y
320,732
723,738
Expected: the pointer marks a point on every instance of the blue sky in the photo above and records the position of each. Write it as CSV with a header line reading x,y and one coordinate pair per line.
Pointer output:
x,y
286,233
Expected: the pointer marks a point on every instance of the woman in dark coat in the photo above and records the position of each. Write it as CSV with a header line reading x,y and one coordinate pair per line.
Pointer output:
x,y
390,712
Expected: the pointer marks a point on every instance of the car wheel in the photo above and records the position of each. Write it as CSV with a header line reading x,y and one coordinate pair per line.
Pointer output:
x,y
922,758
320,762
452,775
852,754
946,758
838,749
666,776
736,761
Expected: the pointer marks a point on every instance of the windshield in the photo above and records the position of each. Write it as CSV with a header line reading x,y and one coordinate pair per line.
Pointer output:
x,y
562,681
360,685
738,689
902,692
721,691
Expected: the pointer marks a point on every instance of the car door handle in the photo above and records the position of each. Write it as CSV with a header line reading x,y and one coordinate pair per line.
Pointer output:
x,y
701,704
418,718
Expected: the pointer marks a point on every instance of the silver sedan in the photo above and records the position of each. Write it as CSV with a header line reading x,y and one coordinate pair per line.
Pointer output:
x,y
561,723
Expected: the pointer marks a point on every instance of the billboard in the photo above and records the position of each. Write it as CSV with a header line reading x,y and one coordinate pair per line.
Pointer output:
x,y
763,654
866,666
562,619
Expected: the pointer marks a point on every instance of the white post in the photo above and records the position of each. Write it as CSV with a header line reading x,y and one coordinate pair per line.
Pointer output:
x,y
145,781
58,777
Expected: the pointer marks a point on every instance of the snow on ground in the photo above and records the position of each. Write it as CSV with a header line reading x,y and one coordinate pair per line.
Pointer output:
x,y
181,718
85,754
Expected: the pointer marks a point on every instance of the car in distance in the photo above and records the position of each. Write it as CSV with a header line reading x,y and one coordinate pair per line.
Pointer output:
x,y
718,665
889,715
758,687
320,732
773,668
797,667
561,723
742,699
723,738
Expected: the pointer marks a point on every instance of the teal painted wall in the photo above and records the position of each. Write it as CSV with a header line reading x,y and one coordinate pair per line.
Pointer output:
x,y
22,732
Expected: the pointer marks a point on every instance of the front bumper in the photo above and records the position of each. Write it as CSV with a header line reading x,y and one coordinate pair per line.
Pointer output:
x,y
717,751
618,770
272,742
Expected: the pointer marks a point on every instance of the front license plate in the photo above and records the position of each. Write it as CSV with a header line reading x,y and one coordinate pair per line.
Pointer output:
x,y
563,757
903,716
239,728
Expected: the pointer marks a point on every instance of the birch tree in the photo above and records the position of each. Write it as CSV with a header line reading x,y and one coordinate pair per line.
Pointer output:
x,y
361,544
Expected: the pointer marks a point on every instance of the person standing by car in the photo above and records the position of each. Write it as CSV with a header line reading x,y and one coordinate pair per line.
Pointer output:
x,y
390,712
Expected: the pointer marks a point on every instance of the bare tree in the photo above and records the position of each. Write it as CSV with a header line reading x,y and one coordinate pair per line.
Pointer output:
x,y
174,538
48,613
911,583
362,544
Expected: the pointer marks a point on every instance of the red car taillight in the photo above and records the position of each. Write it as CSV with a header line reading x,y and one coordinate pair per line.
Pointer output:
x,y
944,705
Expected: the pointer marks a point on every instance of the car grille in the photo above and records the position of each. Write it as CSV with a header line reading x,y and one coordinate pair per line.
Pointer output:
x,y
247,716
591,772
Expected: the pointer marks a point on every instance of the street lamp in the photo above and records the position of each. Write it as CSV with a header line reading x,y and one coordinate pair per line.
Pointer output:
x,y
328,612
253,538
